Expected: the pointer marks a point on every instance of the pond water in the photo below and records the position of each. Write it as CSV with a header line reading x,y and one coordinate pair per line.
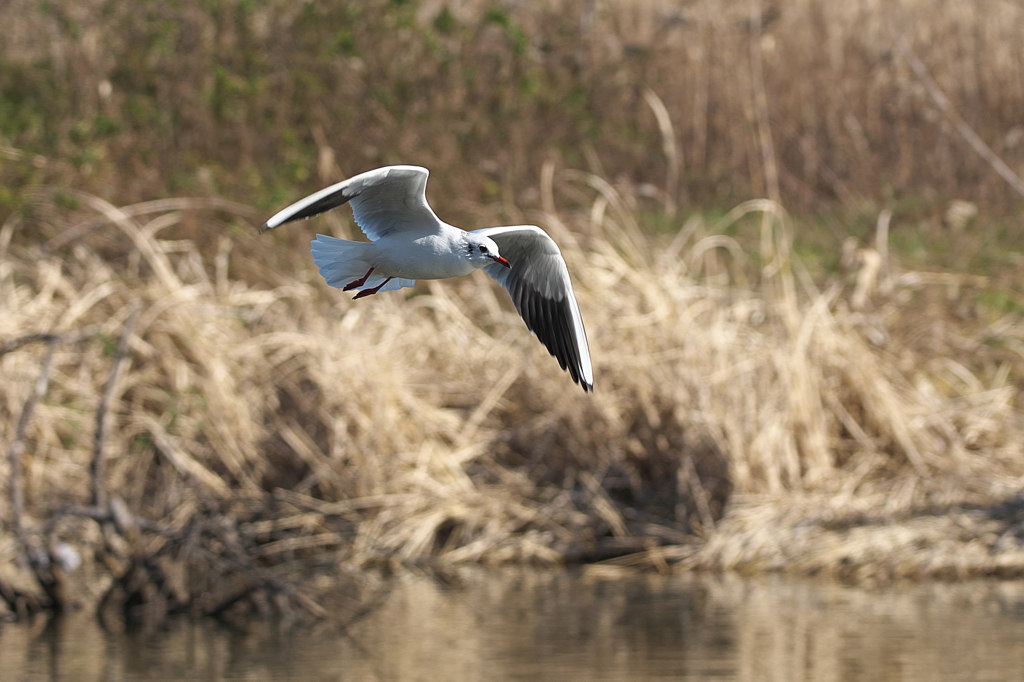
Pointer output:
x,y
568,626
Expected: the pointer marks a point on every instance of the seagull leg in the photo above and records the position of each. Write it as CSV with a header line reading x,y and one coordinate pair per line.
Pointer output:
x,y
368,292
359,282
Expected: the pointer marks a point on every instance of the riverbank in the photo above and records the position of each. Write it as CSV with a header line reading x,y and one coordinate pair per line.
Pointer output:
x,y
256,424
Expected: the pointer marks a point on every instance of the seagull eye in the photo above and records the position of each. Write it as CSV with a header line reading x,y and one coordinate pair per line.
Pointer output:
x,y
483,249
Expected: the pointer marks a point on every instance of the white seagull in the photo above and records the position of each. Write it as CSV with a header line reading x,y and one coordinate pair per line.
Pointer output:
x,y
409,242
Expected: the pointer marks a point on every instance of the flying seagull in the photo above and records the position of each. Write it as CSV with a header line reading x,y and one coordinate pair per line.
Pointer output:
x,y
409,242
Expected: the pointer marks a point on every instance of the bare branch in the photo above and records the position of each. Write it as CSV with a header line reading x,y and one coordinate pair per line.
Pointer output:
x,y
98,469
18,446
11,345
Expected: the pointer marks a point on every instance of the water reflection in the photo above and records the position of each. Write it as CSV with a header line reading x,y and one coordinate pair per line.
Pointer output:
x,y
570,626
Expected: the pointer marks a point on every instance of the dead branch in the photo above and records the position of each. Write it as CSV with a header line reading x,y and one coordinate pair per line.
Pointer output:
x,y
18,446
98,468
48,573
12,345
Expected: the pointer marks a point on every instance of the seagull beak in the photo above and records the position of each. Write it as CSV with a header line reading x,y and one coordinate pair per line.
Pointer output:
x,y
499,259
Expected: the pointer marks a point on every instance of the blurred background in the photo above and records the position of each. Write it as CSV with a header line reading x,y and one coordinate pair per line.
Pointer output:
x,y
261,101
794,228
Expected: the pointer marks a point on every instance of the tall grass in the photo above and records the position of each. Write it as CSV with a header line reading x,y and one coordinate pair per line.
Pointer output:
x,y
239,98
261,414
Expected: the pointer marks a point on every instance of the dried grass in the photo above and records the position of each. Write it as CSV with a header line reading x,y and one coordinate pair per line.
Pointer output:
x,y
753,427
234,99
746,416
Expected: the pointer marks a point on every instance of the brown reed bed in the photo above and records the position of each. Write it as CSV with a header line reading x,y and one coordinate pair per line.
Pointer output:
x,y
204,424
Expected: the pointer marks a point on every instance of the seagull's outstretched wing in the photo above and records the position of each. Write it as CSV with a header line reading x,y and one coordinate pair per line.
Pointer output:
x,y
539,285
384,200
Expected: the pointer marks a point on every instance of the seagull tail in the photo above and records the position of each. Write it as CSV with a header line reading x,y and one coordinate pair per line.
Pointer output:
x,y
343,263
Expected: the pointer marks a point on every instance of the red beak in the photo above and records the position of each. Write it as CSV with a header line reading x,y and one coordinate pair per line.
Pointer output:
x,y
499,259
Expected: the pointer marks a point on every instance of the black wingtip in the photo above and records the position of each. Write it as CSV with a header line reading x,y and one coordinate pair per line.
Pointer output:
x,y
577,376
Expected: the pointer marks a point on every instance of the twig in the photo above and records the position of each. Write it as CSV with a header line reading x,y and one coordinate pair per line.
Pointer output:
x,y
18,446
49,575
98,468
120,520
106,514
942,102
11,345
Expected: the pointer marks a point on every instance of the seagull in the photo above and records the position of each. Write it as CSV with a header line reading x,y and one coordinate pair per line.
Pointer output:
x,y
409,242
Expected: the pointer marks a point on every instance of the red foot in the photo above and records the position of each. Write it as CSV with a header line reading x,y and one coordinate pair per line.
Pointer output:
x,y
359,282
369,292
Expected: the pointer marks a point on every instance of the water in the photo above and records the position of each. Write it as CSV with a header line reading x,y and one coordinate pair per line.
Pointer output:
x,y
569,626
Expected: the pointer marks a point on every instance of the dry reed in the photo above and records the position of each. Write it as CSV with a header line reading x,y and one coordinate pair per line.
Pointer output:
x,y
234,99
260,418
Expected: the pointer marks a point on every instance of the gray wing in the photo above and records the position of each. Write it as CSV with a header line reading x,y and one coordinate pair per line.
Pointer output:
x,y
539,285
384,200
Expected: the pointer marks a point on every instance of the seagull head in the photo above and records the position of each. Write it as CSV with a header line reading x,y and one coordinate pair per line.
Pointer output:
x,y
483,251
